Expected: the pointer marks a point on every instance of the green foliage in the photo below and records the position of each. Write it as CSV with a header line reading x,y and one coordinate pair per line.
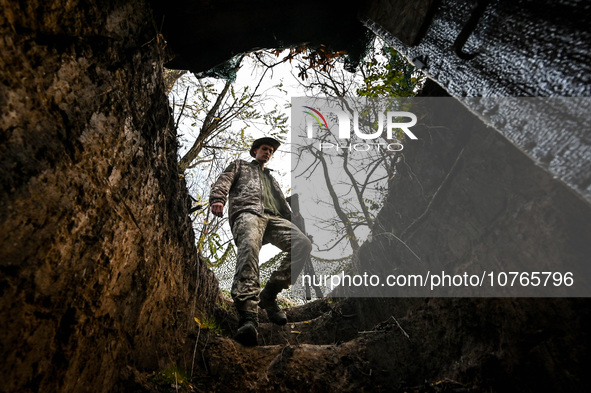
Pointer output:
x,y
392,77
175,376
209,323
212,250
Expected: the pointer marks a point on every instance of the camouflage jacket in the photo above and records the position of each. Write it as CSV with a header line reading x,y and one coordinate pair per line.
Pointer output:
x,y
242,181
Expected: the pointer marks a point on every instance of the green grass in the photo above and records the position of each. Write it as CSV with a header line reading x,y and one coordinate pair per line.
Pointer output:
x,y
174,376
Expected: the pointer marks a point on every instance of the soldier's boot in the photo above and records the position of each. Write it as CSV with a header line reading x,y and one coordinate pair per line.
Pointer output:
x,y
268,301
248,323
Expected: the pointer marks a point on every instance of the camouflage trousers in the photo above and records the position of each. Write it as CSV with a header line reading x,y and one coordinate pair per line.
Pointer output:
x,y
250,231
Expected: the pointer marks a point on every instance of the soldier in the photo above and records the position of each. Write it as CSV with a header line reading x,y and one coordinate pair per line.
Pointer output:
x,y
258,213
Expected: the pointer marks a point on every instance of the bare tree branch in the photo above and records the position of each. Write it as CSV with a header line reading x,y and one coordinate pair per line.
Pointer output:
x,y
182,109
337,206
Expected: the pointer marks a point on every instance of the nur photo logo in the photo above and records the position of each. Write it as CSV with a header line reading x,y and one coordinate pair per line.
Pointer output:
x,y
388,122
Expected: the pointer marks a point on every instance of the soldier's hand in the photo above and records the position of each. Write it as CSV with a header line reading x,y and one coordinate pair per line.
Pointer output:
x,y
218,209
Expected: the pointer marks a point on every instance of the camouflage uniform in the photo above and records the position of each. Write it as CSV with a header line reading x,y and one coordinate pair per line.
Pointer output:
x,y
251,226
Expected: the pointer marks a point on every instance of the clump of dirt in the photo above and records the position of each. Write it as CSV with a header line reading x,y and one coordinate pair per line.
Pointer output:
x,y
424,345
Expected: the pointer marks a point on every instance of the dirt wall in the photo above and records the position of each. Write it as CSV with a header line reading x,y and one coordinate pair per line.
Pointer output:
x,y
98,267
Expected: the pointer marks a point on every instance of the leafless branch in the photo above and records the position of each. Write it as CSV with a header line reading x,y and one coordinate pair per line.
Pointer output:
x,y
176,126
